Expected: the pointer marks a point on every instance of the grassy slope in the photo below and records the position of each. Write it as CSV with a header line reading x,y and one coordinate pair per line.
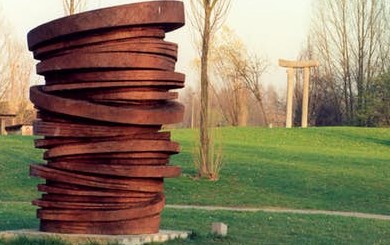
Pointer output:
x,y
16,153
323,168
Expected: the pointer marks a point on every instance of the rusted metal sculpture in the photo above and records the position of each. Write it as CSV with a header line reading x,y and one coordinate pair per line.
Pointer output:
x,y
108,74
291,65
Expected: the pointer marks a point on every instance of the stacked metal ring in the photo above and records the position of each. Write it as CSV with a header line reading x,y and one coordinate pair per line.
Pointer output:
x,y
108,77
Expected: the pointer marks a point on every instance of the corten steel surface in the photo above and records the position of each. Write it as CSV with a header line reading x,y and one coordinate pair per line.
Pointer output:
x,y
108,77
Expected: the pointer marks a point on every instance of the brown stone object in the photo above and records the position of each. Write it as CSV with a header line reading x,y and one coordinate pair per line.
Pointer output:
x,y
94,199
108,75
166,15
56,129
164,113
120,170
117,60
80,191
49,142
127,44
137,86
112,146
115,76
104,182
147,225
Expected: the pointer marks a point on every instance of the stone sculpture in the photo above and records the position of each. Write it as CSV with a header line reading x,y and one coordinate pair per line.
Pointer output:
x,y
108,77
291,65
7,116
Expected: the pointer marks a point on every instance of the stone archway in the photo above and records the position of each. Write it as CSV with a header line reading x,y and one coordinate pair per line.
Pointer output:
x,y
291,68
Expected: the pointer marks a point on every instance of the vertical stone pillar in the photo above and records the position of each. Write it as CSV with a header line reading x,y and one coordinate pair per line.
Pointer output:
x,y
290,93
305,97
291,66
2,126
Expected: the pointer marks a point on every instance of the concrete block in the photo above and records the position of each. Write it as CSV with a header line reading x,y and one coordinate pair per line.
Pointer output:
x,y
219,228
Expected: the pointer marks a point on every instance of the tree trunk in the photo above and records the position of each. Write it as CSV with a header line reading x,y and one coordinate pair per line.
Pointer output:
x,y
71,7
261,106
204,95
242,105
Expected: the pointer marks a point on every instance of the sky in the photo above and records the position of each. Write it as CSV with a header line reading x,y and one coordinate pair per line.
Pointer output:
x,y
271,28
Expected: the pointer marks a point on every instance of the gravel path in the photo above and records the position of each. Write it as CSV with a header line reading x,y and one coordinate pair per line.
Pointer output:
x,y
284,210
265,209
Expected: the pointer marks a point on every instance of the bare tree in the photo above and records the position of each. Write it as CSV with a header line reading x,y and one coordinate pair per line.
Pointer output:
x,y
326,98
251,70
207,16
351,41
73,6
16,68
275,108
240,74
189,97
4,54
228,85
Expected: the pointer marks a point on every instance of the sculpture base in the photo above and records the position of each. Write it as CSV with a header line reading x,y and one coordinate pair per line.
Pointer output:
x,y
162,236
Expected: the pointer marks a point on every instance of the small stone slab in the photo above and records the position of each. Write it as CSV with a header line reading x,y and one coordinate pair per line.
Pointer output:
x,y
220,229
126,184
168,15
162,236
64,189
113,146
168,113
139,171
104,37
114,76
112,60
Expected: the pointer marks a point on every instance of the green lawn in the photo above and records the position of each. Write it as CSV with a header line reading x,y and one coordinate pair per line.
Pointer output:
x,y
16,153
244,228
344,169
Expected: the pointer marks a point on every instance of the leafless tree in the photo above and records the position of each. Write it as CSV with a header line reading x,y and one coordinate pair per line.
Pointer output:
x,y
240,73
15,68
73,6
251,70
207,17
228,85
351,42
190,98
274,107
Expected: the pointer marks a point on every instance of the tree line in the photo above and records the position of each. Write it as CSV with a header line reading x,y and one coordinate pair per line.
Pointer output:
x,y
350,39
16,69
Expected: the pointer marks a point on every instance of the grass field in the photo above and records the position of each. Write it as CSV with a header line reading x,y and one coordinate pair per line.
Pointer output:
x,y
317,168
344,169
244,228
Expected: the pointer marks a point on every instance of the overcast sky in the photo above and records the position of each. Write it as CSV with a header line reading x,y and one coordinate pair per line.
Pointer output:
x,y
272,28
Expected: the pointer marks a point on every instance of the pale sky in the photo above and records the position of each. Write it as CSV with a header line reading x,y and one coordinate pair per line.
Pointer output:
x,y
271,28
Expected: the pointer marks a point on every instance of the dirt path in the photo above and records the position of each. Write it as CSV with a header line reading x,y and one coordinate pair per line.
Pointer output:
x,y
265,209
285,210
